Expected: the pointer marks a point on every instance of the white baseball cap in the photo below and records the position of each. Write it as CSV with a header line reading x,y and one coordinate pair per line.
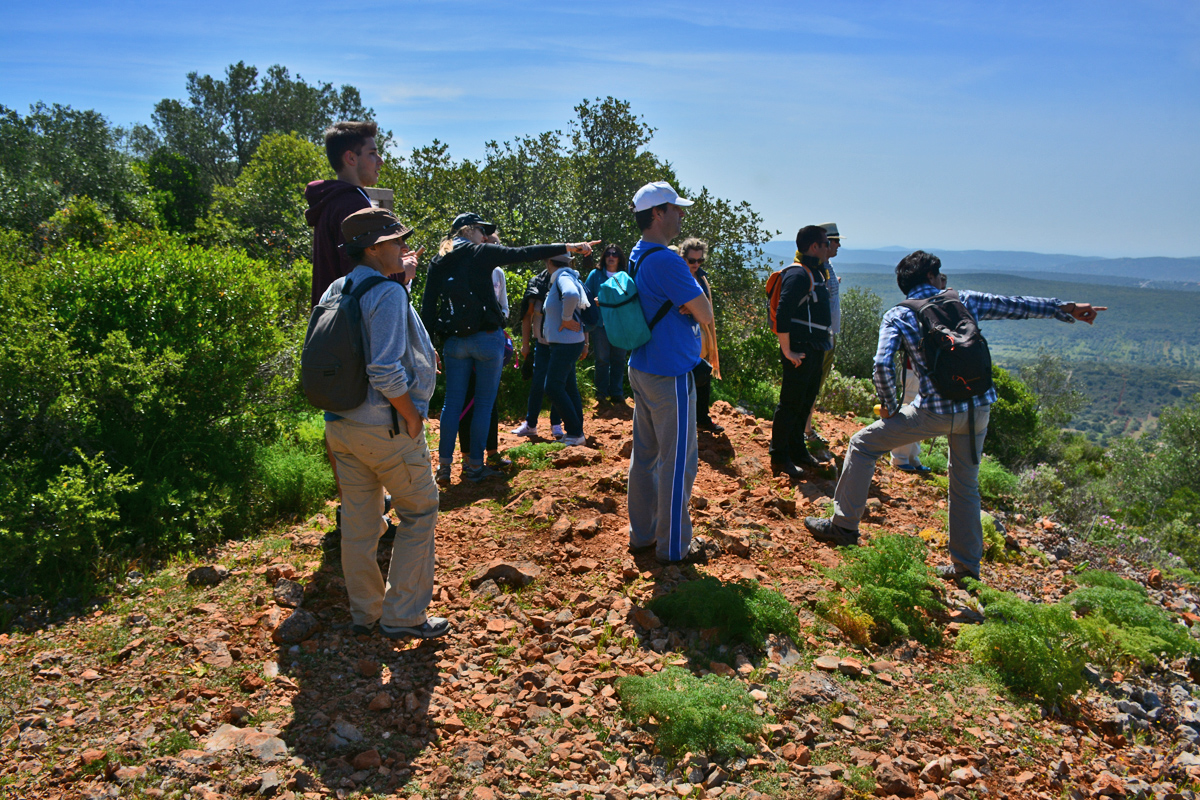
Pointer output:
x,y
655,194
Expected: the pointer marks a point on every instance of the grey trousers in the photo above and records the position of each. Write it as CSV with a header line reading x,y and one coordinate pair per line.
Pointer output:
x,y
914,425
369,460
663,466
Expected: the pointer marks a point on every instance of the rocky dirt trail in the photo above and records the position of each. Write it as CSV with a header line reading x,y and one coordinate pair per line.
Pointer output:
x,y
239,675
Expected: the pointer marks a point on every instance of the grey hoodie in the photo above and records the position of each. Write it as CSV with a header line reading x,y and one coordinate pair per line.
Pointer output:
x,y
400,357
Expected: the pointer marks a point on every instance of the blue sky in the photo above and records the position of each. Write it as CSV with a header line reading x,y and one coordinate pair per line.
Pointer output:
x,y
1066,127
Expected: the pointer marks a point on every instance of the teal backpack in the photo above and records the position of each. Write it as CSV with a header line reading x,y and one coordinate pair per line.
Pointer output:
x,y
624,323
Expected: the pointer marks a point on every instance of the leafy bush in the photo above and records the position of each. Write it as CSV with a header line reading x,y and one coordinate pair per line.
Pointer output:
x,y
862,311
533,455
142,376
993,540
742,611
1147,625
841,394
1014,434
1037,648
889,581
1132,542
294,471
1109,580
995,482
712,715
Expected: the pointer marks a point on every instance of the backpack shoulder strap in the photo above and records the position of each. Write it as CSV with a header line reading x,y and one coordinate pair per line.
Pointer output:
x,y
368,283
634,266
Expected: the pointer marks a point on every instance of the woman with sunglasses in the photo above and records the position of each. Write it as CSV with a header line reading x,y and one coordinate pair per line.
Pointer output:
x,y
695,253
610,361
460,307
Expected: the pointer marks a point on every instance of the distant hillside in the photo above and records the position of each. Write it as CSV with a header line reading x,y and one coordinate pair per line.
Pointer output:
x,y
1185,270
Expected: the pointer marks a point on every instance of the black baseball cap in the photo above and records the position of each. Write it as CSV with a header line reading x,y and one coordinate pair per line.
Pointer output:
x,y
471,218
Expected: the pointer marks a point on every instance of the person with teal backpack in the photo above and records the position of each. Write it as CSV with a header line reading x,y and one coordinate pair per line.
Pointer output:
x,y
624,322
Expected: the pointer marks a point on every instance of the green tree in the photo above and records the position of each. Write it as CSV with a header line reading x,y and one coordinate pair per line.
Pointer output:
x,y
222,123
1050,381
263,211
862,312
1014,434
181,196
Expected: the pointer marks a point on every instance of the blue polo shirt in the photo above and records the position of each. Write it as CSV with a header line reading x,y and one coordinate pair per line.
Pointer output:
x,y
674,346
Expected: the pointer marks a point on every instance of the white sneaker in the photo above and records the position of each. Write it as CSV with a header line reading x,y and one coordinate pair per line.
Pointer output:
x,y
525,429
557,431
574,441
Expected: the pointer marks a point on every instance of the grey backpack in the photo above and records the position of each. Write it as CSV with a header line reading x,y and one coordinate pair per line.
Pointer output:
x,y
333,364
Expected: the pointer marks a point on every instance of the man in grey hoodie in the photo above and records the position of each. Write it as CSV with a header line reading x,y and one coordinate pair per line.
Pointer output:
x,y
371,455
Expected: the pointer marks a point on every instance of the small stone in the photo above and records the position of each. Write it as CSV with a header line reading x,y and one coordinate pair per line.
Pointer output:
x,y
347,731
582,566
829,791
368,759
1108,785
850,666
964,776
207,576
127,774
299,626
845,722
587,528
487,590
89,757
890,780
288,593
513,573
646,618
90,675
367,667
269,783
1155,579
827,663
380,702
722,669
563,529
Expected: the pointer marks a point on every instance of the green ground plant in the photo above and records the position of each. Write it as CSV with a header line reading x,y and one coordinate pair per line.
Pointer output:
x,y
743,611
712,715
533,455
1121,626
888,581
1037,648
994,549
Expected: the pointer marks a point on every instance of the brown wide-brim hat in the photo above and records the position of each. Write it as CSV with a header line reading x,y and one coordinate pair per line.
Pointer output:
x,y
370,226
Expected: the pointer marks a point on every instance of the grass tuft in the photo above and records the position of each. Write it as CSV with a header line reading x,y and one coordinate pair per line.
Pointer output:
x,y
742,611
712,715
533,455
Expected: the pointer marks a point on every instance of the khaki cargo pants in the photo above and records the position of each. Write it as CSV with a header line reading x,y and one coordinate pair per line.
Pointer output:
x,y
368,461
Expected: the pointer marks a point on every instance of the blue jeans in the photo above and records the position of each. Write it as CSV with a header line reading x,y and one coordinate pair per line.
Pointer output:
x,y
561,387
537,387
610,366
482,352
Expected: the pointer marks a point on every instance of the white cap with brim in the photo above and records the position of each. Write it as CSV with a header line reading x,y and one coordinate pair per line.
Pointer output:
x,y
655,194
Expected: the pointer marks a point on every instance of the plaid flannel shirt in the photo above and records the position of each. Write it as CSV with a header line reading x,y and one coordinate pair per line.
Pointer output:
x,y
901,329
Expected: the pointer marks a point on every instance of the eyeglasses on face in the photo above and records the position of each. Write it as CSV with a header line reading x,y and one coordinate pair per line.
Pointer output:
x,y
696,262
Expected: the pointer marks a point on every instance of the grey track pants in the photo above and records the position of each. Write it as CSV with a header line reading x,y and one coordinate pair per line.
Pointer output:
x,y
664,462
914,425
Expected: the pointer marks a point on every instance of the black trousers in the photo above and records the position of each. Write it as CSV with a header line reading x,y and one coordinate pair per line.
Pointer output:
x,y
703,378
797,394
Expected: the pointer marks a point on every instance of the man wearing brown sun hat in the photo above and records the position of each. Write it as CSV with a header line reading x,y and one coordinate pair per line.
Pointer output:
x,y
380,444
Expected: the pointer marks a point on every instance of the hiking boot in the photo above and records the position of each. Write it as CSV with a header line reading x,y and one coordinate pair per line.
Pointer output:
x,y
823,530
479,473
365,630
710,426
575,441
431,628
806,459
646,548
443,475
525,429
695,553
557,431
786,468
497,460
955,574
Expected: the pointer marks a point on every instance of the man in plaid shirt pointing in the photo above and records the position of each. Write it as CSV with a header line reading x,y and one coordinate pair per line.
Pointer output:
x,y
919,277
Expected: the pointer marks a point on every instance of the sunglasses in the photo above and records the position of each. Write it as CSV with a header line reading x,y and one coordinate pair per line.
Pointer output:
x,y
697,262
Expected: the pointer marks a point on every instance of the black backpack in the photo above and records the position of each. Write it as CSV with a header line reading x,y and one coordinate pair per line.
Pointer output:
x,y
535,296
955,352
333,364
460,311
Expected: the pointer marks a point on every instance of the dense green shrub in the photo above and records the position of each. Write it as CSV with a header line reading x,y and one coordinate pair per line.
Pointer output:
x,y
862,311
712,715
889,581
841,394
1014,434
742,611
294,471
1146,627
142,376
1036,647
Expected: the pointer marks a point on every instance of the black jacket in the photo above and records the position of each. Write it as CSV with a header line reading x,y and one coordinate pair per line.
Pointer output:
x,y
804,308
476,262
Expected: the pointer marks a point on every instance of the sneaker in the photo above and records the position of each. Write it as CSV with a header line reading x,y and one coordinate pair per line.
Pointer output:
x,y
557,431
497,460
710,426
952,572
786,468
365,630
443,475
574,441
914,469
525,429
823,530
431,628
480,473
812,437
806,459
695,553
646,548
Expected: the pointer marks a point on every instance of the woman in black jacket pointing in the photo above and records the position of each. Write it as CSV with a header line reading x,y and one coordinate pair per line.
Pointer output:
x,y
460,307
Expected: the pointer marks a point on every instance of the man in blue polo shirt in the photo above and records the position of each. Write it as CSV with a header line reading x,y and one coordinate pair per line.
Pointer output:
x,y
663,466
